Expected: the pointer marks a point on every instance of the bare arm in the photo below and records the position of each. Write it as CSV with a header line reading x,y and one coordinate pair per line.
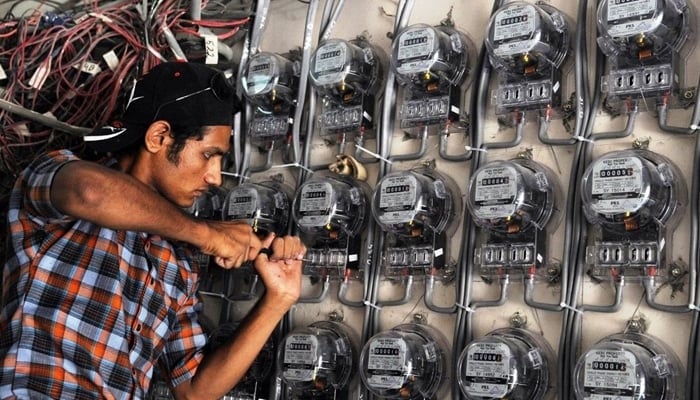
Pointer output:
x,y
116,200
223,369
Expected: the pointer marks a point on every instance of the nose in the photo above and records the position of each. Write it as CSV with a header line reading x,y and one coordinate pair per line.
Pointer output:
x,y
213,174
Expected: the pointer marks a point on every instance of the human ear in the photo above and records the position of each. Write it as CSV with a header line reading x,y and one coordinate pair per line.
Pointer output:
x,y
157,136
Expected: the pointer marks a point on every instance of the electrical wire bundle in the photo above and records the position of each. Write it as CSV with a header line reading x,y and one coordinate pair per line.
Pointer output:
x,y
66,71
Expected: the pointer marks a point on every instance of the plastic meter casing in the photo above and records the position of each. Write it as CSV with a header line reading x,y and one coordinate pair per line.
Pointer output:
x,y
631,366
430,63
265,206
514,202
270,83
410,203
316,359
633,199
513,196
527,44
643,41
330,208
347,74
406,362
507,363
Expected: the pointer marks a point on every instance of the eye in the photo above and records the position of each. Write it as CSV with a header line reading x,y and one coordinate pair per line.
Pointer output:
x,y
208,155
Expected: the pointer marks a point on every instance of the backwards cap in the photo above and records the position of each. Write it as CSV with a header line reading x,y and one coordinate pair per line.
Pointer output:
x,y
187,95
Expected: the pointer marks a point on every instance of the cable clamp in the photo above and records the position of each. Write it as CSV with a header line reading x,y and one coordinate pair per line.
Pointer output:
x,y
693,307
583,139
370,304
295,165
694,127
568,307
470,148
465,308
373,154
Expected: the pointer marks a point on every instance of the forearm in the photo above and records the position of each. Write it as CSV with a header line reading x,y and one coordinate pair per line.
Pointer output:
x,y
116,200
224,367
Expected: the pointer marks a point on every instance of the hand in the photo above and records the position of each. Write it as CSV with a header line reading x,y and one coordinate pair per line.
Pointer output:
x,y
231,243
281,271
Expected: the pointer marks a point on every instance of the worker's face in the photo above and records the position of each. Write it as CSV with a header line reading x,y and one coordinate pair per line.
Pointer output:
x,y
198,167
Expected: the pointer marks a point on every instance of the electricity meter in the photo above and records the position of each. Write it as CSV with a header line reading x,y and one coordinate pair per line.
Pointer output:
x,y
208,205
527,44
419,208
330,212
406,362
316,360
508,363
630,366
270,83
265,206
347,75
633,198
430,63
642,40
514,203
257,377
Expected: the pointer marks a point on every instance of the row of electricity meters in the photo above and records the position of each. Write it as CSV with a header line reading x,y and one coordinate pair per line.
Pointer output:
x,y
632,198
409,362
528,45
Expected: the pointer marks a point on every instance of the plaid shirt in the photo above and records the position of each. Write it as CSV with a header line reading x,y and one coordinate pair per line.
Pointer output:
x,y
88,311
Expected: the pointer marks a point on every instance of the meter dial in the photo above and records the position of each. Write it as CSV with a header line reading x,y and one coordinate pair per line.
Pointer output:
x,y
639,30
330,208
513,196
628,366
427,57
527,39
627,190
411,203
317,358
270,81
346,70
406,362
264,206
506,364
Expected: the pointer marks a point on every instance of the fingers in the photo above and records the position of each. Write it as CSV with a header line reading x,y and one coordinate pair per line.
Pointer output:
x,y
288,248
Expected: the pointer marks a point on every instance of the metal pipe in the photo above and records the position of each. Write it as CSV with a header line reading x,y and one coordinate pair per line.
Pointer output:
x,y
408,290
322,295
442,150
420,153
49,121
268,162
429,300
501,300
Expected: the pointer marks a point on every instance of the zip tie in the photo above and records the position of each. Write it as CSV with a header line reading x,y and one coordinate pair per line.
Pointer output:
x,y
235,175
373,154
296,164
693,307
465,308
370,304
574,309
470,148
583,139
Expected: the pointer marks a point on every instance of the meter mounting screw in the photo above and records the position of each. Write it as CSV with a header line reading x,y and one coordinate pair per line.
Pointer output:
x,y
553,274
518,320
335,316
641,143
419,318
637,324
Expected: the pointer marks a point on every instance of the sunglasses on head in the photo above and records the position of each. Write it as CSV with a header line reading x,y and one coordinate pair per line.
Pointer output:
x,y
219,86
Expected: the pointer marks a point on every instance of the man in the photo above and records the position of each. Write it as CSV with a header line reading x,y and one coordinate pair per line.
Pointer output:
x,y
101,286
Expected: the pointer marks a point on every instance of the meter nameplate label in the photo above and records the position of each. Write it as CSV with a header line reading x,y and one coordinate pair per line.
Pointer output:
x,y
329,63
617,185
514,30
386,363
300,357
261,74
495,192
610,369
619,13
398,196
415,52
243,203
488,368
315,203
